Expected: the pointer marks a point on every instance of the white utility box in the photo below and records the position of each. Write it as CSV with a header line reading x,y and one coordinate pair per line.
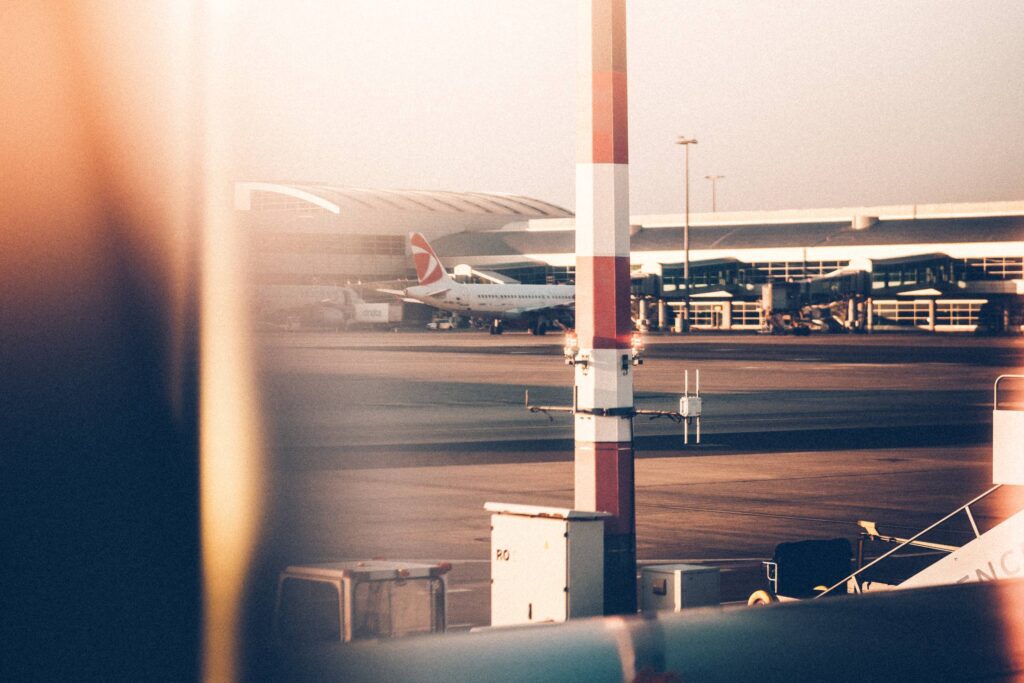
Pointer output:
x,y
547,564
678,586
690,406
1008,447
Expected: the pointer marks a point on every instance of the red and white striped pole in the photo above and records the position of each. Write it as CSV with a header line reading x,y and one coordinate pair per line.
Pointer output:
x,y
604,380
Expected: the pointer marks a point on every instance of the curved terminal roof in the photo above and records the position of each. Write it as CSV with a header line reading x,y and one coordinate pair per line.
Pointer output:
x,y
343,200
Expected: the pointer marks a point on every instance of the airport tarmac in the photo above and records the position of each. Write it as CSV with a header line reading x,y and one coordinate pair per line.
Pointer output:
x,y
388,444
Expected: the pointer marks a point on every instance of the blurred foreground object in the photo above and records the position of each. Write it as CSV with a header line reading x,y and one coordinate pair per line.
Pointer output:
x,y
110,148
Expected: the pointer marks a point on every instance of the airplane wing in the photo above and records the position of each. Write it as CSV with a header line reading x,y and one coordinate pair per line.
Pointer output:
x,y
403,292
401,295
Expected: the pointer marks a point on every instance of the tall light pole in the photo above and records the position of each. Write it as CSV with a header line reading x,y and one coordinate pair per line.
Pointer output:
x,y
714,197
686,142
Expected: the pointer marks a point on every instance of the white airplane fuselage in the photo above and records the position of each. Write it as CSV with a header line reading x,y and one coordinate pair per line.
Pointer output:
x,y
499,301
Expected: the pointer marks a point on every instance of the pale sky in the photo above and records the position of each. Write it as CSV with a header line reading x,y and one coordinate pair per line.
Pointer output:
x,y
799,104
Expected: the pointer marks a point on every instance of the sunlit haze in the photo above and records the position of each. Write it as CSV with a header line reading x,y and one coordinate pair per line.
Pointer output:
x,y
256,414
797,104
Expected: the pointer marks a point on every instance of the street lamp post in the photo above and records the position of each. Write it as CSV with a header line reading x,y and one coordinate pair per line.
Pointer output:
x,y
714,197
686,142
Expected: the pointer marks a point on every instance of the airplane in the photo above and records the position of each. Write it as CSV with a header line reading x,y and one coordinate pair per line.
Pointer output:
x,y
534,303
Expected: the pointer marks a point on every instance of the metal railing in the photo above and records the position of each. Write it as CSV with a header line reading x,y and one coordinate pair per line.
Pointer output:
x,y
995,388
966,507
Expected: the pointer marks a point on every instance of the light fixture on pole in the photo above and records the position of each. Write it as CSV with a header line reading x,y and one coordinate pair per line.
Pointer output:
x,y
714,196
686,142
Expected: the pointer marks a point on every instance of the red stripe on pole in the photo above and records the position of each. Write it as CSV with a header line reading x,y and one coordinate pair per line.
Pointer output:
x,y
610,141
602,302
613,471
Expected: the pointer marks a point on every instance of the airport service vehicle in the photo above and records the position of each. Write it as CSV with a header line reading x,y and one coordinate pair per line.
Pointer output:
x,y
537,304
359,600
441,324
802,569
294,306
814,569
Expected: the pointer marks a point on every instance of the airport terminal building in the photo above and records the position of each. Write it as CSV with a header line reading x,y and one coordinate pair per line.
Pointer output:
x,y
945,267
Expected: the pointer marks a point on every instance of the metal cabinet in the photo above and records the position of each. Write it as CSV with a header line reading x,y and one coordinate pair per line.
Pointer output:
x,y
547,564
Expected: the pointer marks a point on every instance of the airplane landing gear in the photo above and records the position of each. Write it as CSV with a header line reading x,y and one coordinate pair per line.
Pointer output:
x,y
497,327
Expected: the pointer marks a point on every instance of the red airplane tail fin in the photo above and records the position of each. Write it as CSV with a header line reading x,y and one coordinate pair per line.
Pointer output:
x,y
428,267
